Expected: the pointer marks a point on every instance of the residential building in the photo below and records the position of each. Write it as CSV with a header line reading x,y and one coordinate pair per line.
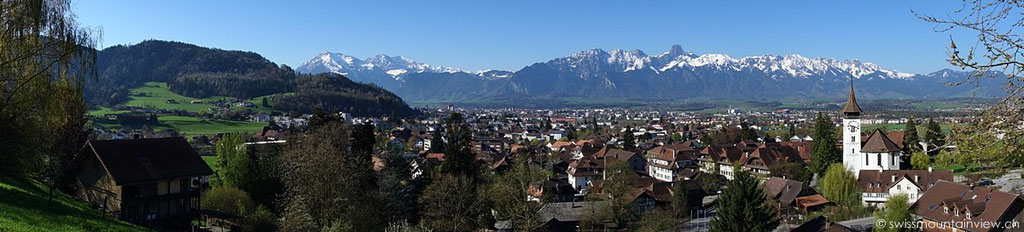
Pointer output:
x,y
949,206
877,186
153,182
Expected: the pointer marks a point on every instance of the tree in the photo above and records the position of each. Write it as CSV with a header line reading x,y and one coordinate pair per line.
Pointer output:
x,y
397,186
824,151
933,135
744,206
712,183
326,183
943,159
265,185
619,181
436,141
320,117
235,166
910,138
993,56
265,102
363,140
45,60
791,132
840,186
506,194
896,215
746,132
450,203
977,147
920,160
458,156
790,170
676,137
229,200
628,140
659,220
680,201
570,132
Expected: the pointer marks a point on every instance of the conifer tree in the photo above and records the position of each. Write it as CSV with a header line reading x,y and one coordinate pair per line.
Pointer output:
x,y
458,156
744,206
628,140
910,137
436,141
824,151
680,201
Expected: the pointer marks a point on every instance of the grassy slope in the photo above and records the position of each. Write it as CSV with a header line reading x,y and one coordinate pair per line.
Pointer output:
x,y
157,94
24,207
156,97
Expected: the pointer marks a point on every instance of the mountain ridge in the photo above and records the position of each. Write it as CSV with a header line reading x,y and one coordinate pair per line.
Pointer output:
x,y
675,73
195,71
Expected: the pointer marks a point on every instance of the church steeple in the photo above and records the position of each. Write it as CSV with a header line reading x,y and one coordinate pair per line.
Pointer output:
x,y
851,108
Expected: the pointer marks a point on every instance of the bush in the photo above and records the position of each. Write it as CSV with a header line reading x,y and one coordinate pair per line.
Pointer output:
x,y
229,200
234,201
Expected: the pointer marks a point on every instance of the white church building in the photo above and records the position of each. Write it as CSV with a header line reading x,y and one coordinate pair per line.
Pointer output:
x,y
877,153
876,162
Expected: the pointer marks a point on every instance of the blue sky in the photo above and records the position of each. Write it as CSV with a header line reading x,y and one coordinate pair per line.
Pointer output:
x,y
475,35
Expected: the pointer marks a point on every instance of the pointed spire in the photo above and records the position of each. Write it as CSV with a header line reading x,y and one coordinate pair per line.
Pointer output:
x,y
851,108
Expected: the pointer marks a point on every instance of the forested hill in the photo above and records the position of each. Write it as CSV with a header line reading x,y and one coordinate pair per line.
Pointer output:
x,y
199,72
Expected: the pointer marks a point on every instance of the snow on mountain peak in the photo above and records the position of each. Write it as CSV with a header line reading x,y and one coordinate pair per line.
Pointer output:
x,y
394,66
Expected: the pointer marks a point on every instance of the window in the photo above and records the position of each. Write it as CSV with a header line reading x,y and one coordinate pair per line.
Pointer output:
x,y
867,161
853,139
879,159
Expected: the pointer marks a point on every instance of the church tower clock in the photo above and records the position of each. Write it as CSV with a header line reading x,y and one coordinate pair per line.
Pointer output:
x,y
852,157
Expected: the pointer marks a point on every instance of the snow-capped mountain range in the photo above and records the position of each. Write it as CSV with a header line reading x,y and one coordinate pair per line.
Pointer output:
x,y
675,73
676,57
393,66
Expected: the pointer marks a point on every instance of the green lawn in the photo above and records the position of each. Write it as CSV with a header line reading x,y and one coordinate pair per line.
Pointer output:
x,y
24,207
195,126
959,169
211,161
920,128
101,111
154,95
931,105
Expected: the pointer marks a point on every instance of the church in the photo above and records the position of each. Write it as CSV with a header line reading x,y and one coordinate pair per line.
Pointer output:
x,y
876,162
877,153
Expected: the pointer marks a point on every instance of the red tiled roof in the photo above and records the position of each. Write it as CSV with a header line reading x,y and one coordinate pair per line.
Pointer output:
x,y
983,204
874,181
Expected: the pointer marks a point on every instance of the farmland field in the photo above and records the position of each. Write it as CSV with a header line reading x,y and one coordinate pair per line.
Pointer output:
x,y
156,95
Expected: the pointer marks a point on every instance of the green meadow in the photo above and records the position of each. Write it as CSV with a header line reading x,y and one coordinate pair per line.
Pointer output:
x,y
24,206
867,128
155,95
